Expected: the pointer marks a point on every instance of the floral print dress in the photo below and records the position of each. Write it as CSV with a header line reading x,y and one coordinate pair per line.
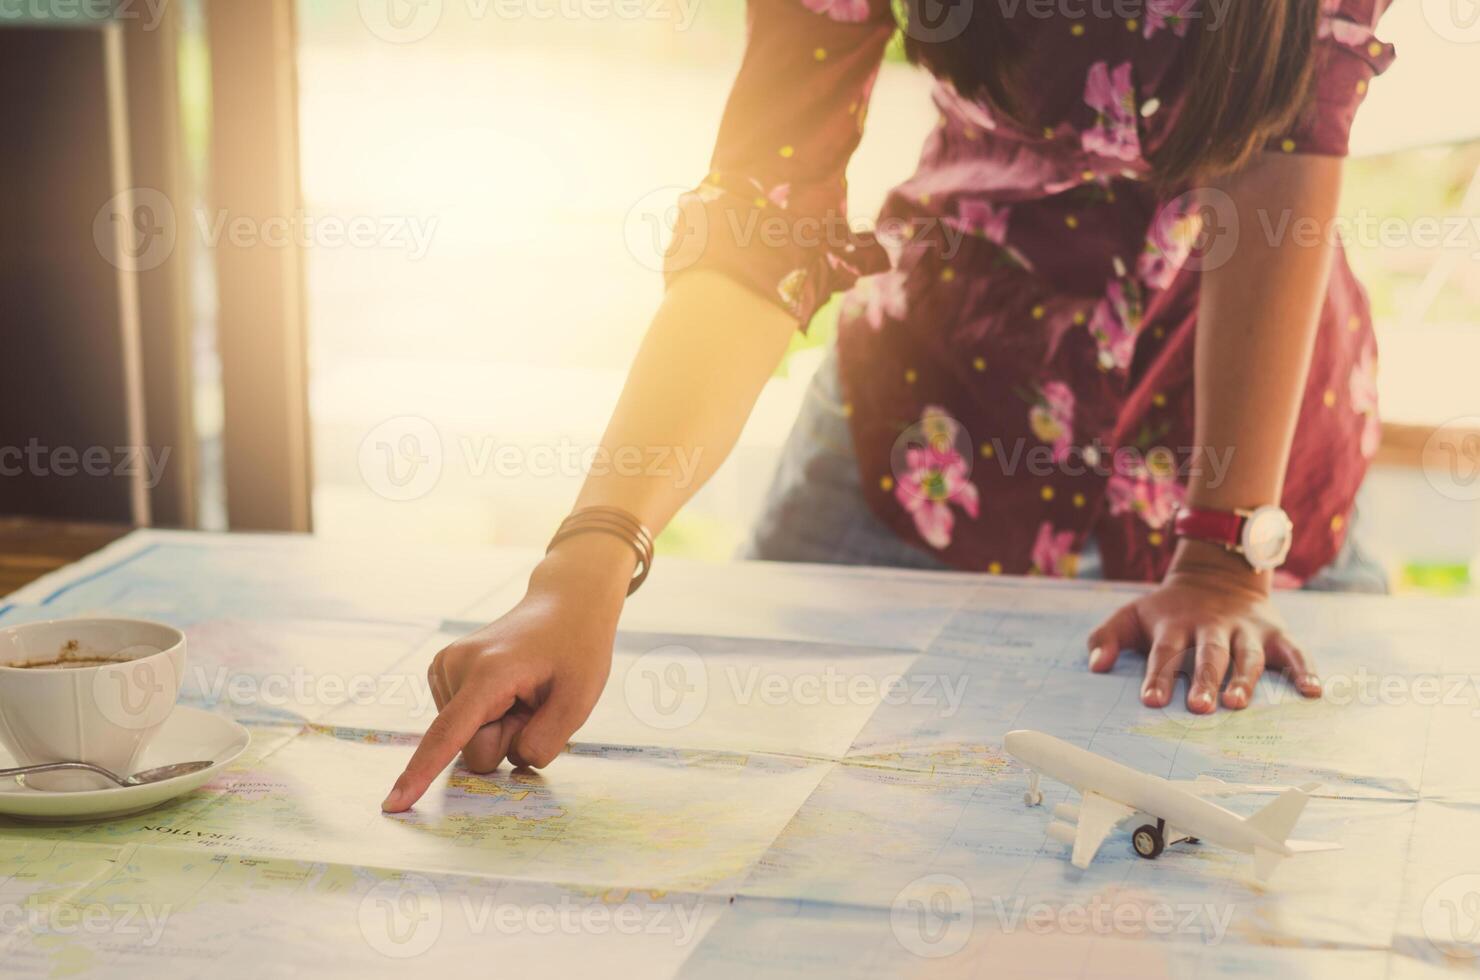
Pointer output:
x,y
1016,337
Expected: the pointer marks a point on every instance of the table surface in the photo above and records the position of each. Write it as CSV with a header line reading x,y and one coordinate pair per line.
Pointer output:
x,y
32,547
795,769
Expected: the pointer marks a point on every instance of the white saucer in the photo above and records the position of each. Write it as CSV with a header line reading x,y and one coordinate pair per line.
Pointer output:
x,y
187,734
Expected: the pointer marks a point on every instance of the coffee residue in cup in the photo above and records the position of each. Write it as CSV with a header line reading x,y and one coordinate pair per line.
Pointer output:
x,y
70,656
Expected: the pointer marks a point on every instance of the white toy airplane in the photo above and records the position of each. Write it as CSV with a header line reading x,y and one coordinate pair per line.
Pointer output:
x,y
1111,794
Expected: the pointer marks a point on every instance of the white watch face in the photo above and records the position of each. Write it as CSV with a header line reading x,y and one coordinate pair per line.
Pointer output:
x,y
1267,536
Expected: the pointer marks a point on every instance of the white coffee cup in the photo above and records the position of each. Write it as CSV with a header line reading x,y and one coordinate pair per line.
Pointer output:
x,y
103,713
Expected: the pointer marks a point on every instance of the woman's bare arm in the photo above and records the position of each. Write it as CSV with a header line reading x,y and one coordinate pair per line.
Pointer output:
x,y
1257,322
710,350
521,686
1257,326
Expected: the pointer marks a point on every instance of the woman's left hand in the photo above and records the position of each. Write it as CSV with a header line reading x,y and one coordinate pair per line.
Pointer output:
x,y
1223,613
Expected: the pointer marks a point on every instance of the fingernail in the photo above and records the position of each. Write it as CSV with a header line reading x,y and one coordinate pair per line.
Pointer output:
x,y
392,802
1312,681
1151,696
1202,699
1237,696
1095,656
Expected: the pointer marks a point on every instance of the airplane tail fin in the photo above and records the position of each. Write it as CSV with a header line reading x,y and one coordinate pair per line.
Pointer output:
x,y
1278,818
1276,821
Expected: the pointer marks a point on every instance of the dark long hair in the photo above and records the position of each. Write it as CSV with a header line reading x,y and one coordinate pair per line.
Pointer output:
x,y
1246,77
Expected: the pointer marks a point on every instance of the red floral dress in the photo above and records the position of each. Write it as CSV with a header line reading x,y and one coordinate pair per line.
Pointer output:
x,y
1016,338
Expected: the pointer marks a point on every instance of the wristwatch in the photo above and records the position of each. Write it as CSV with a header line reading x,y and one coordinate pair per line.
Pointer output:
x,y
1262,535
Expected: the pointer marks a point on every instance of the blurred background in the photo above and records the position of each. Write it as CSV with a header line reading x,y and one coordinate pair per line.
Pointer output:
x,y
478,189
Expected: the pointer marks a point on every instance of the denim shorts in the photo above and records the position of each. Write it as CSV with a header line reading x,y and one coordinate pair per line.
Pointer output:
x,y
815,510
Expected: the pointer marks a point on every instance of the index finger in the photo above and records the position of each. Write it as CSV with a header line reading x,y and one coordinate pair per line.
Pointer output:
x,y
469,709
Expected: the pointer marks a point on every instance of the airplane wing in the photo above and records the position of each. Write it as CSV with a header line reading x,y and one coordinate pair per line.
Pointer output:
x,y
1311,846
1213,786
1098,815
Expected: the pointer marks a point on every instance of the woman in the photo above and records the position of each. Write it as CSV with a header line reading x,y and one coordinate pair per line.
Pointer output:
x,y
1035,373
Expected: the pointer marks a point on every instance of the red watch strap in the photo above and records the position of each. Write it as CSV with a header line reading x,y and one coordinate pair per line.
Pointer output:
x,y
1221,526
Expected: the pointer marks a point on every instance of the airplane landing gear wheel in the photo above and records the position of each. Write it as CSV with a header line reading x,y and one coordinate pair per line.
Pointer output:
x,y
1148,841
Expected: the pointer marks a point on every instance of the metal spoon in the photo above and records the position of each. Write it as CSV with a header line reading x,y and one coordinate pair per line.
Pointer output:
x,y
137,779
